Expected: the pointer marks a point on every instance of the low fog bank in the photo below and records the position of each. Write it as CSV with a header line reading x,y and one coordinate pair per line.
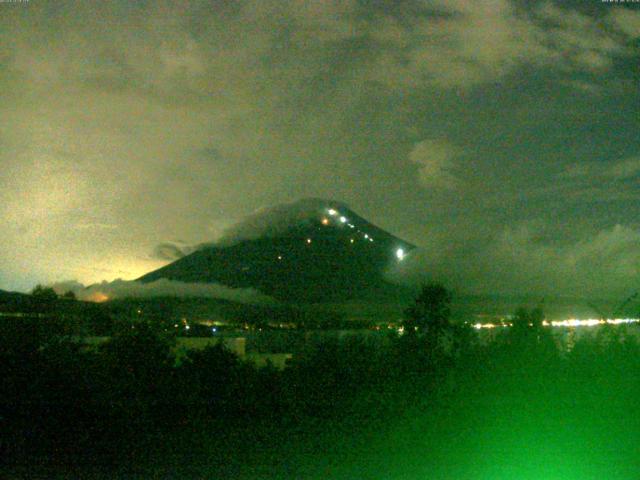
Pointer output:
x,y
119,289
600,272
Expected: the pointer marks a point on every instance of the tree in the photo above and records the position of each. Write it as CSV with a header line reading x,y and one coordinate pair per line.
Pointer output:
x,y
527,322
428,338
430,314
528,329
44,294
70,295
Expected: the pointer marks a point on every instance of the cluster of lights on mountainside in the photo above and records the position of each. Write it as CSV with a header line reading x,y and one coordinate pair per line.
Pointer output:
x,y
341,219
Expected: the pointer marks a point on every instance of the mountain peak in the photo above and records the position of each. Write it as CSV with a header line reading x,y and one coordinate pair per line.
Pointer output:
x,y
277,220
311,249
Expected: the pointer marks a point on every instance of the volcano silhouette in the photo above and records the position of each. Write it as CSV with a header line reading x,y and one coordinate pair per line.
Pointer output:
x,y
309,250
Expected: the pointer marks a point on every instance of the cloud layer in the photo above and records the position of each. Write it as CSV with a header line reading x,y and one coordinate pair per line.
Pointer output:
x,y
520,262
120,289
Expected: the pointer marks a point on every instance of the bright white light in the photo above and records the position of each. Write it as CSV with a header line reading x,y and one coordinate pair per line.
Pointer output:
x,y
366,236
308,240
351,225
570,322
478,326
332,211
214,329
370,239
592,322
618,321
187,327
400,254
279,257
343,219
351,240
573,322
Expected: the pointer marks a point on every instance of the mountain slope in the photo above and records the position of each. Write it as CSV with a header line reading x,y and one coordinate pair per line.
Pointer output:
x,y
311,250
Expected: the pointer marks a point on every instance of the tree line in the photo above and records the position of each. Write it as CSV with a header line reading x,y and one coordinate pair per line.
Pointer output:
x,y
129,402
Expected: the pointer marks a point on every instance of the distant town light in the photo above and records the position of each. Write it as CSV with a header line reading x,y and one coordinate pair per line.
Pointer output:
x,y
351,225
400,254
351,240
568,323
325,221
366,236
279,257
308,240
343,219
98,297
332,212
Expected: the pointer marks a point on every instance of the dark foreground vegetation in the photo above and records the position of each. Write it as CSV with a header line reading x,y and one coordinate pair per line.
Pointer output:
x,y
433,403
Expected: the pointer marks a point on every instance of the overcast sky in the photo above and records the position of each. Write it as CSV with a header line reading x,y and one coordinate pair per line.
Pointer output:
x,y
501,136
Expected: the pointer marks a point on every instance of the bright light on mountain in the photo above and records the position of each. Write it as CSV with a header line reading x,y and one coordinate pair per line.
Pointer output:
x,y
400,253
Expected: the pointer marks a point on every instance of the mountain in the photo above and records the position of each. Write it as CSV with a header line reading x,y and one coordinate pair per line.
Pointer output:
x,y
310,250
13,301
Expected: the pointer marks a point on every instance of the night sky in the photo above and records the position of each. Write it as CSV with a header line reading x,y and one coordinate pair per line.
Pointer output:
x,y
500,136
